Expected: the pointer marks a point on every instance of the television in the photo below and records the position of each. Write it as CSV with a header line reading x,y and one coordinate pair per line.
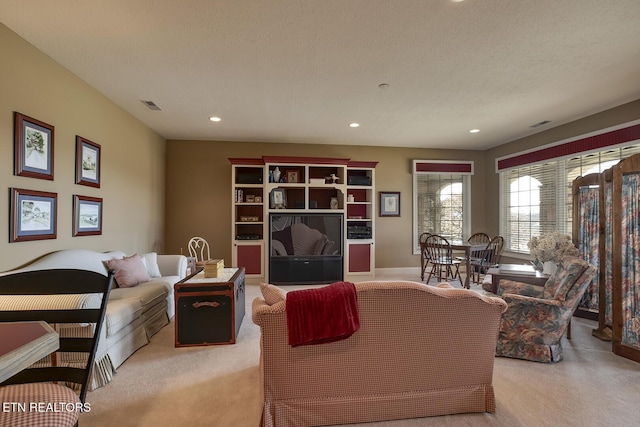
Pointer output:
x,y
306,248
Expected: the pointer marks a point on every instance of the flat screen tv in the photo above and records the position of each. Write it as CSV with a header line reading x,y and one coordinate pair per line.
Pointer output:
x,y
305,248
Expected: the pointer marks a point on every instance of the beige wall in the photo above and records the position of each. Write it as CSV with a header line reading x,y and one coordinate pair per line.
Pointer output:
x,y
199,191
132,157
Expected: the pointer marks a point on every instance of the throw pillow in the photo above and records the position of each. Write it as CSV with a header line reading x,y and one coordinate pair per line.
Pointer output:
x,y
129,271
151,262
272,294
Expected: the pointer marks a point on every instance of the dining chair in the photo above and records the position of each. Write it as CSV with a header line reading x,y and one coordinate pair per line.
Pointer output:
x,y
199,249
424,261
486,259
439,254
45,382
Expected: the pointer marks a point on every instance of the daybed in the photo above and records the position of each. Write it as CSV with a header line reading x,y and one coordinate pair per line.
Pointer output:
x,y
134,313
420,351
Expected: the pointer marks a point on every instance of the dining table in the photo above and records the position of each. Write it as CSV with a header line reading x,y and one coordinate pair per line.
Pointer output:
x,y
24,343
467,248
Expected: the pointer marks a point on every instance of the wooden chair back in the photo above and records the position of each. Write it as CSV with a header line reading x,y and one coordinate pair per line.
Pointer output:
x,y
60,282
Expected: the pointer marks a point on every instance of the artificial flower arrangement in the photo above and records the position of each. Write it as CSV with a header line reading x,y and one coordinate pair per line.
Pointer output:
x,y
551,247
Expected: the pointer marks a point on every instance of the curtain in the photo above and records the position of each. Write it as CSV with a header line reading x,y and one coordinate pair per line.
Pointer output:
x,y
608,248
631,260
588,240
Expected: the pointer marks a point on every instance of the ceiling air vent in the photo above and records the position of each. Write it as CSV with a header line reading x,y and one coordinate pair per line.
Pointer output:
x,y
542,123
151,105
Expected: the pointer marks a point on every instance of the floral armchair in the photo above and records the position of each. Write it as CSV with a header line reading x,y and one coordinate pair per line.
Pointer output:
x,y
537,317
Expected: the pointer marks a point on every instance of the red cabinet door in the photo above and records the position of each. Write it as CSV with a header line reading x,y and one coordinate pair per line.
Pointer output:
x,y
359,257
250,257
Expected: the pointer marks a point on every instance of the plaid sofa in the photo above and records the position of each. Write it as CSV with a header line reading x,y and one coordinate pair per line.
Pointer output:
x,y
420,351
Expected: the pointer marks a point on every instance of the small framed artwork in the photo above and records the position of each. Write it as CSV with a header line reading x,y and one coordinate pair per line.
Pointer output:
x,y
293,176
33,148
278,198
389,203
33,215
87,162
87,216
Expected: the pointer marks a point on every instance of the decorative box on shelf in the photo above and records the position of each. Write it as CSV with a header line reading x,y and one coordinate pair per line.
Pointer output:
x,y
249,219
316,181
214,268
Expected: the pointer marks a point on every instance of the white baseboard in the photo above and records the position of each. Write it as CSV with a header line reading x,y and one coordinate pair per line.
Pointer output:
x,y
398,272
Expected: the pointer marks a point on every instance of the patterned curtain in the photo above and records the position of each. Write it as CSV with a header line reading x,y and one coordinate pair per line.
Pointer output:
x,y
631,260
608,248
588,241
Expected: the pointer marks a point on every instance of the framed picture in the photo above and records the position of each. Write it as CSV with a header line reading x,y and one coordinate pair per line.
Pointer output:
x,y
87,162
278,198
33,215
33,155
293,176
389,203
87,216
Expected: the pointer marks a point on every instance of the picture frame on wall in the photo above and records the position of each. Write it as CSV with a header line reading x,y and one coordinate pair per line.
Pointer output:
x,y
389,203
87,216
33,147
33,215
87,162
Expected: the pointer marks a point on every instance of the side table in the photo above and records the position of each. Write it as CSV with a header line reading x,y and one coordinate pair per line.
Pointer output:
x,y
498,273
209,310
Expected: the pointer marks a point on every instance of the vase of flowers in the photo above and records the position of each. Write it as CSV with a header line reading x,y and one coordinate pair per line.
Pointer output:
x,y
548,249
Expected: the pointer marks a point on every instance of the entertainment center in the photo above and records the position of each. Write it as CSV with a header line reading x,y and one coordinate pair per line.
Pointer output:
x,y
303,220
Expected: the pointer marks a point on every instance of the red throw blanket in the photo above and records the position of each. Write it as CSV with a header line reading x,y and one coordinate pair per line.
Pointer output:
x,y
316,316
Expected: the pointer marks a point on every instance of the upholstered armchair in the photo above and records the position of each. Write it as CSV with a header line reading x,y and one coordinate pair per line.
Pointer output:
x,y
537,317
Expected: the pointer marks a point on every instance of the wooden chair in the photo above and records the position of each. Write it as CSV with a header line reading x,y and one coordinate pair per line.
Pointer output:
x,y
424,261
53,384
476,239
439,254
489,257
199,249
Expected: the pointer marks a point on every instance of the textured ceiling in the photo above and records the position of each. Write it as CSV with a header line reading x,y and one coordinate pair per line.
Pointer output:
x,y
301,71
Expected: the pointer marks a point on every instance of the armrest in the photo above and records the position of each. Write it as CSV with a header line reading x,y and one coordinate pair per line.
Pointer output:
x,y
261,311
173,265
506,286
526,300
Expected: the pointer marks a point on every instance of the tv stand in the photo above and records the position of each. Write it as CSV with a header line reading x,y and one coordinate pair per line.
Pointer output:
x,y
301,270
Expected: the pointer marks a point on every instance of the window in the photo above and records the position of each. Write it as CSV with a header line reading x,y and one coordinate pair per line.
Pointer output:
x,y
536,198
440,200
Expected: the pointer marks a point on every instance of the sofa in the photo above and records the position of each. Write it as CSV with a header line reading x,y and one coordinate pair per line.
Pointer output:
x,y
420,351
134,313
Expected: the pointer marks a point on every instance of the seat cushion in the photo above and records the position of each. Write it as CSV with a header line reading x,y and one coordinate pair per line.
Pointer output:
x,y
45,404
148,293
120,313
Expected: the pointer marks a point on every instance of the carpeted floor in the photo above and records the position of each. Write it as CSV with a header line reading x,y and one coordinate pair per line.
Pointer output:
x,y
161,385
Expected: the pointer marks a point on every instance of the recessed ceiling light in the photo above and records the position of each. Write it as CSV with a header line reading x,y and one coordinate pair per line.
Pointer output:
x,y
383,85
215,119
354,125
474,131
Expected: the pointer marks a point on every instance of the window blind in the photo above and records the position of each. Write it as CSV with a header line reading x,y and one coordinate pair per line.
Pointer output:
x,y
441,199
536,198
